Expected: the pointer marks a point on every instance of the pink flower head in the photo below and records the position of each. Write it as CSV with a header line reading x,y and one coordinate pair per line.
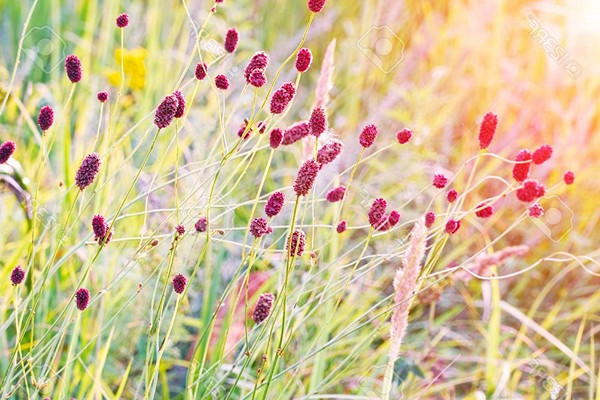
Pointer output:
x,y
122,20
200,225
303,59
429,219
569,177
294,133
82,298
100,229
45,118
259,60
165,112
6,150
452,226
307,174
231,40
259,227
296,244
329,152
274,204
316,5
451,196
336,194
73,68
263,307
87,171
368,136
17,275
201,70
244,128
222,82
536,210
180,230
261,126
521,170
484,211
257,78
275,138
180,104
487,130
440,181
394,218
530,191
179,283
318,121
404,136
542,154
282,98
377,212
341,227
102,96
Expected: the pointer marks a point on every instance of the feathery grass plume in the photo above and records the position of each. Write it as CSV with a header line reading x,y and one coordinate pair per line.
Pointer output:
x,y
201,70
329,152
222,82
87,171
482,264
180,104
275,138
17,275
542,154
341,227
318,121
306,176
295,132
6,150
122,20
231,40
521,170
336,194
569,177
325,82
487,130
274,204
405,284
263,307
73,68
200,225
259,227
303,59
45,118
82,298
404,135
165,112
102,96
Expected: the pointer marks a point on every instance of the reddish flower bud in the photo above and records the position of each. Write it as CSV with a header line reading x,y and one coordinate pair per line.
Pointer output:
x,y
165,112
336,194
404,136
282,98
451,196
231,40
487,130
521,170
316,5
82,298
180,230
452,226
100,229
179,283
318,121
180,104
73,68
87,171
484,211
542,154
377,213
45,118
244,130
296,243
221,82
122,20
429,219
275,138
306,177
368,136
536,210
440,181
274,204
303,60
201,225
201,70
329,152
6,150
341,227
530,191
394,218
102,96
259,60
259,227
568,177
295,132
263,307
257,78
17,275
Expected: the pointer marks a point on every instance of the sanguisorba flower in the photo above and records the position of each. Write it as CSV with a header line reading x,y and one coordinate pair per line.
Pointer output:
x,y
259,60
484,210
274,204
404,135
368,136
87,171
180,230
180,104
6,150
440,181
377,213
201,70
336,194
305,178
257,78
263,307
341,227
259,227
530,191
73,68
165,112
569,177
82,298
17,275
45,118
231,40
295,132
452,226
179,283
487,130
521,169
122,20
452,195
316,5
329,152
318,121
282,98
102,96
275,138
303,60
100,229
296,244
200,225
536,210
429,219
222,82
542,154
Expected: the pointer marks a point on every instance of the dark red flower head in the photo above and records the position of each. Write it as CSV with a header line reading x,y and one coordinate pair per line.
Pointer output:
x,y
82,298
17,275
487,130
259,60
6,150
231,40
316,5
318,121
452,226
180,104
87,171
536,210
282,98
341,227
180,230
259,227
274,204
294,133
296,243
451,196
303,59
275,138
569,177
122,20
306,177
201,225
100,229
263,307
542,154
484,211
179,283
440,181
329,152
368,136
521,170
165,112
222,82
336,194
404,136
394,218
530,191
429,219
257,78
377,213
201,70
102,96
45,118
244,130
73,68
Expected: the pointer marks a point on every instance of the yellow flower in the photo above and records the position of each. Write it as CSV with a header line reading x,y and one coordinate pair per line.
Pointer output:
x,y
134,68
